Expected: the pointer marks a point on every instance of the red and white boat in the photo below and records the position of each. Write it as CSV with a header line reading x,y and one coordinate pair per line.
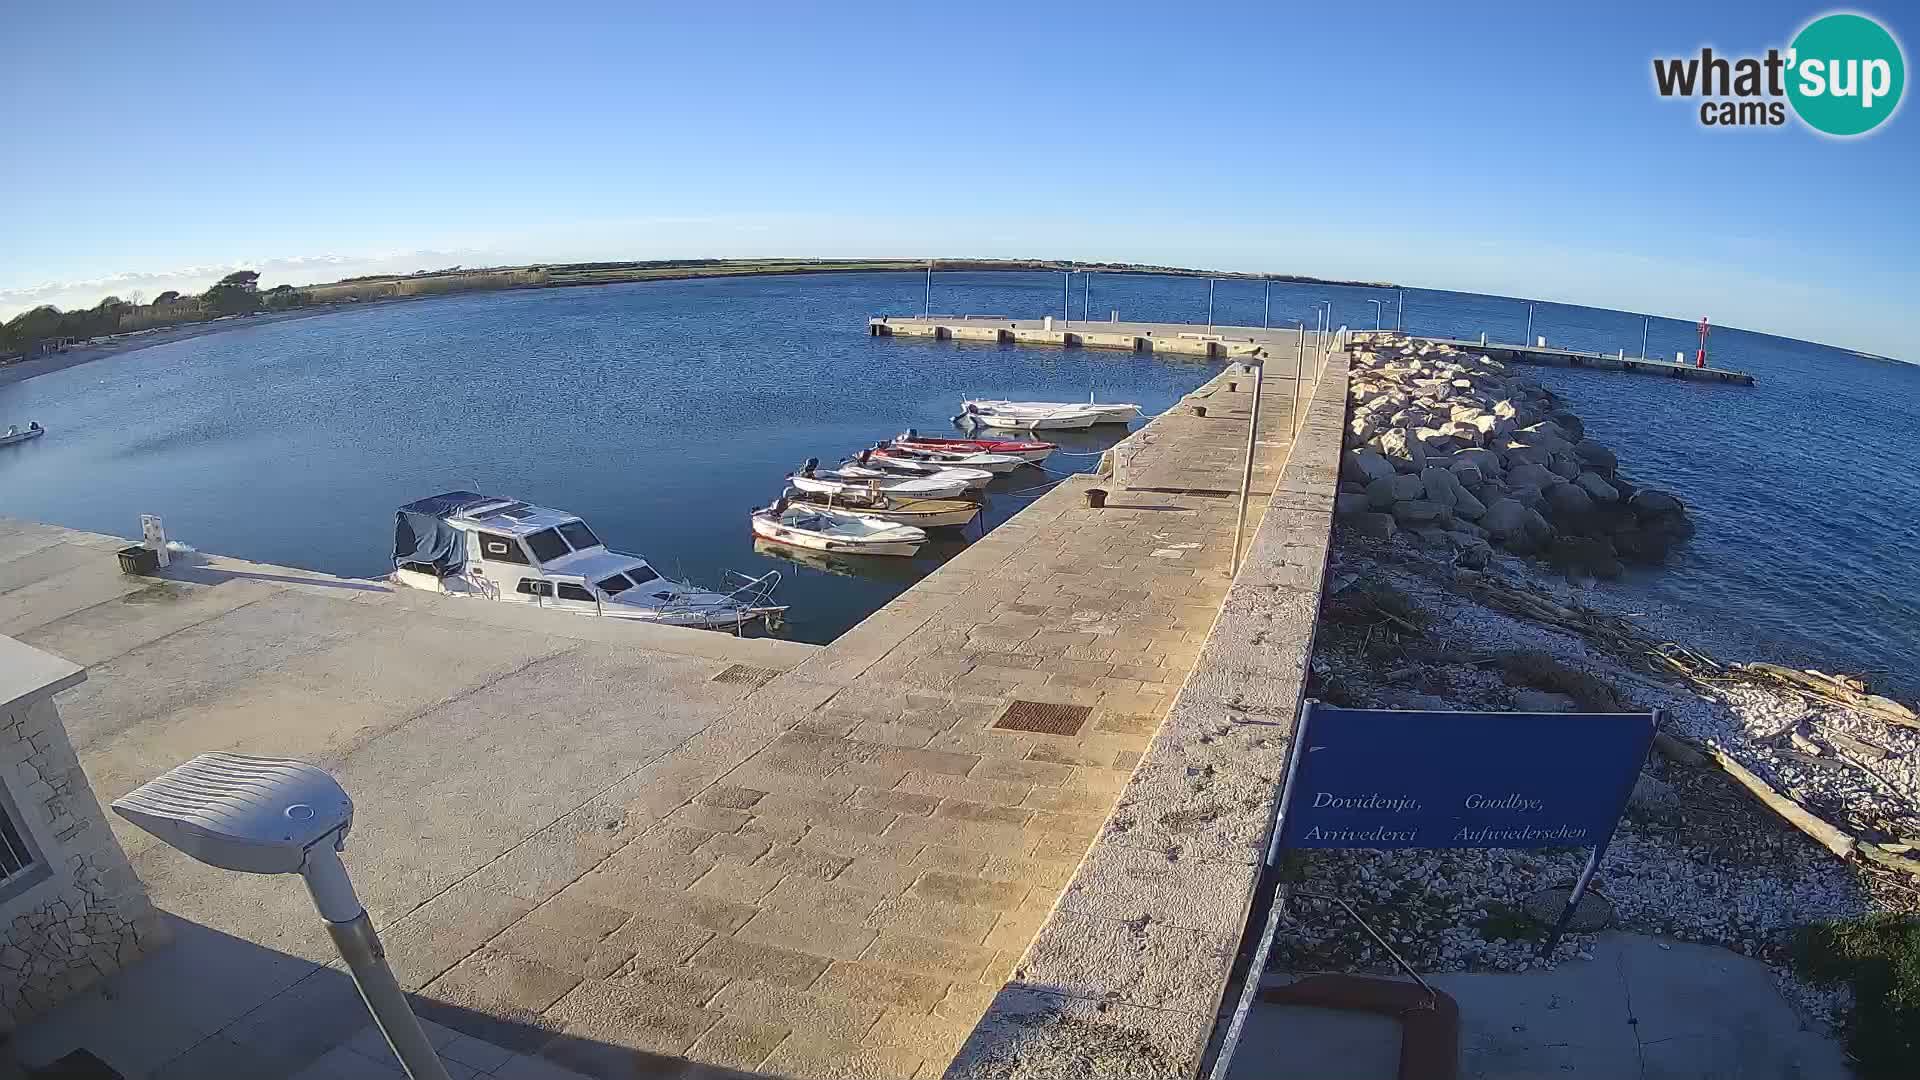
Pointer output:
x,y
1032,450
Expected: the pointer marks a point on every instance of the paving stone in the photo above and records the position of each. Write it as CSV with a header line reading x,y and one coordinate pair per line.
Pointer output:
x,y
739,959
656,909
806,932
865,981
582,917
829,1020
678,839
953,860
972,789
964,889
933,761
793,860
827,899
711,818
931,1037
495,977
928,956
685,987
1022,772
736,881
912,914
965,810
737,1044
732,798
896,802
582,953
607,1026
744,846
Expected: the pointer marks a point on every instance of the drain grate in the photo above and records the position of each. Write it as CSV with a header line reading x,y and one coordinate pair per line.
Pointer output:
x,y
1044,718
741,673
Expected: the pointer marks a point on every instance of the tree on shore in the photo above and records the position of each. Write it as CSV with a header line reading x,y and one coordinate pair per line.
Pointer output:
x,y
168,297
234,294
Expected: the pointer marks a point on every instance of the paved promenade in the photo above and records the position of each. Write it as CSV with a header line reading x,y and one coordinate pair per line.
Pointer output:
x,y
823,871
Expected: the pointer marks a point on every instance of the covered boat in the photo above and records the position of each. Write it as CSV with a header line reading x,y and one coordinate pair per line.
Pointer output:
x,y
842,532
865,464
462,543
1032,450
1116,413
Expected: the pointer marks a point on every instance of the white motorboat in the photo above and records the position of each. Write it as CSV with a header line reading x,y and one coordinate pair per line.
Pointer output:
x,y
865,464
19,435
812,479
1116,413
993,463
461,543
842,532
1064,418
901,510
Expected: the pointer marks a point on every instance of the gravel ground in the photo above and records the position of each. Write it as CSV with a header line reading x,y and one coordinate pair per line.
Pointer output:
x,y
1696,858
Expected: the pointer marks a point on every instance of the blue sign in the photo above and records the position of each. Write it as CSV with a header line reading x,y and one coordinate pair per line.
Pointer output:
x,y
1376,778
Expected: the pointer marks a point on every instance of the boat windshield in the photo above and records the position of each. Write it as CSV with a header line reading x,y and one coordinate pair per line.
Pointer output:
x,y
640,575
579,535
546,545
614,585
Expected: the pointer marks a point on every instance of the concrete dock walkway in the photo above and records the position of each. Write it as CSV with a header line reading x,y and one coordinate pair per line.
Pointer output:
x,y
616,852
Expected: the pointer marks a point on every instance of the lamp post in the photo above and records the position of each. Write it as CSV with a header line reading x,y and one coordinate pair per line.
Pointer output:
x,y
1400,313
1646,323
1066,298
927,311
1266,306
1209,305
1529,338
274,816
1086,296
1377,308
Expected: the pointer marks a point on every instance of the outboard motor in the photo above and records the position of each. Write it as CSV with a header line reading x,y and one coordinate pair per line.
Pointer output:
x,y
806,468
912,434
864,456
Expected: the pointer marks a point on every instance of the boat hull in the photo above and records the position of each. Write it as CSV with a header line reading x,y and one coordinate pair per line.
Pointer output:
x,y
773,531
21,436
1114,413
920,513
993,463
929,487
1025,449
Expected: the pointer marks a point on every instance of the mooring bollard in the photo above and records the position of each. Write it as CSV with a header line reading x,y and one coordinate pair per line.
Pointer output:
x,y
1096,498
1199,410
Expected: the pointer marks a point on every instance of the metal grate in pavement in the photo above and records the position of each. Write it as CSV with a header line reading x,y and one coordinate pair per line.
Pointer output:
x,y
1043,717
741,673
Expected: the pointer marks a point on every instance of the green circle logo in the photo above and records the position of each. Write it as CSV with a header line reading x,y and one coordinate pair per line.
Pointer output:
x,y
1846,74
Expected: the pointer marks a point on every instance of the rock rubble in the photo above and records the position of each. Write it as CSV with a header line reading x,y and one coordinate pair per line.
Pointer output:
x,y
1459,450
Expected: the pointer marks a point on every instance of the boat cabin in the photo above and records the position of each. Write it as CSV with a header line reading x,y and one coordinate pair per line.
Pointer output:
x,y
514,551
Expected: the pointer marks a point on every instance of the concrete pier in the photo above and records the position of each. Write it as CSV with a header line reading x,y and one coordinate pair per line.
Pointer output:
x,y
1555,357
604,853
1174,339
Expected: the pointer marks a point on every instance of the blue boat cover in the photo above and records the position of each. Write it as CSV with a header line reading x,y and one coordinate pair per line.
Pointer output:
x,y
422,535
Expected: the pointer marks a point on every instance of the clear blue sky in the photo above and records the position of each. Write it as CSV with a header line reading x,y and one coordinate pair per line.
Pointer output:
x,y
1517,149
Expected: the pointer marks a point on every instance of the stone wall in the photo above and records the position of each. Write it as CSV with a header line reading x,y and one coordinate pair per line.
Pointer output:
x,y
79,914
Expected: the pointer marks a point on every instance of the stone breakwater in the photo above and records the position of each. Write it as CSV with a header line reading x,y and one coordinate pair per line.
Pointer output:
x,y
1458,449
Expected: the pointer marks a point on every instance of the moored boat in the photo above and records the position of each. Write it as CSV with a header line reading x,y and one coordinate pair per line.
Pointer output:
x,y
814,480
1062,418
461,543
866,466
1115,413
842,532
33,430
993,463
921,513
1033,450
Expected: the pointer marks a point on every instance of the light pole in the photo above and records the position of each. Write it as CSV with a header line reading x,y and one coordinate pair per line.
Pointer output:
x,y
1400,313
1066,298
927,312
1209,305
1086,296
1266,306
1646,323
1377,308
1529,338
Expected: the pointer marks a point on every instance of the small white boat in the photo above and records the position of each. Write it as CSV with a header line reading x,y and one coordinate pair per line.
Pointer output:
x,y
993,463
20,435
920,513
814,480
1033,450
461,543
863,464
805,525
1116,413
1064,418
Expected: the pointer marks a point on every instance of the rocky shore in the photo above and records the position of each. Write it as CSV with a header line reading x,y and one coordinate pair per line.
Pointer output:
x,y
1460,475
1458,449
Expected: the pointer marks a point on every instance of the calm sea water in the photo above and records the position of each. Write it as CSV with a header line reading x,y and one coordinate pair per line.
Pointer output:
x,y
662,412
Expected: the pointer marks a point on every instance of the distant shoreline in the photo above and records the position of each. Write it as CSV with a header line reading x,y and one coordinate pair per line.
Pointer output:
x,y
583,275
